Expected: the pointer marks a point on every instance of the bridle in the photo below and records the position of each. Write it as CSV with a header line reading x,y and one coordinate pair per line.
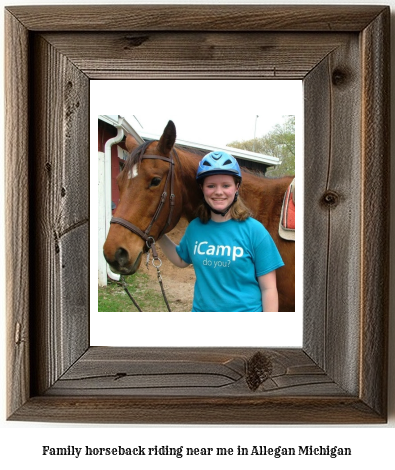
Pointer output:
x,y
170,177
149,240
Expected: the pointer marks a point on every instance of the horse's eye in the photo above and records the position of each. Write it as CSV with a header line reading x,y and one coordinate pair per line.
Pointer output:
x,y
155,182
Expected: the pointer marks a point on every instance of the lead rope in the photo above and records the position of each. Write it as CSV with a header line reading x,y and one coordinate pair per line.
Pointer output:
x,y
123,282
151,246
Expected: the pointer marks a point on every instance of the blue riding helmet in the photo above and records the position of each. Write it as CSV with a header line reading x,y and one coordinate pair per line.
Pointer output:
x,y
217,163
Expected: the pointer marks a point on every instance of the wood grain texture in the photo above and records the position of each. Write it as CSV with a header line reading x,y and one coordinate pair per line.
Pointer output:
x,y
210,372
198,410
375,207
187,55
122,385
17,212
339,376
196,18
332,208
60,197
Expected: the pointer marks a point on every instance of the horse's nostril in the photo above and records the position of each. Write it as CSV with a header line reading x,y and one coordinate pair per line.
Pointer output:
x,y
122,256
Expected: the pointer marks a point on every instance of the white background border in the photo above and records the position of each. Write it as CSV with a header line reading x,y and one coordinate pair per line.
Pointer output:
x,y
21,443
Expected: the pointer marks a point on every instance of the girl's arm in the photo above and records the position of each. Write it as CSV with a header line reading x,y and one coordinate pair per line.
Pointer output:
x,y
268,286
169,249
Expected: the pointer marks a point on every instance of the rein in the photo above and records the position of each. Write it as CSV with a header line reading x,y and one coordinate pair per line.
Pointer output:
x,y
149,240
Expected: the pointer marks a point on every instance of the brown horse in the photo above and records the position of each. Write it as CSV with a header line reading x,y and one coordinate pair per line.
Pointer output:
x,y
144,182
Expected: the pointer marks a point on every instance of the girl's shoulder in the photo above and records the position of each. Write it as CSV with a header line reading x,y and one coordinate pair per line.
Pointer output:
x,y
255,228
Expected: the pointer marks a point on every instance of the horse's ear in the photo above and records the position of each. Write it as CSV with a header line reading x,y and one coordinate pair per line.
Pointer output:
x,y
168,139
130,143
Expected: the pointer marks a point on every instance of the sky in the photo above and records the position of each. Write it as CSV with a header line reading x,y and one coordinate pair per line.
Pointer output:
x,y
214,112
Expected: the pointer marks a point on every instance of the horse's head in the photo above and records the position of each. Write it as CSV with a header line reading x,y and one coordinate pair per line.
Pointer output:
x,y
145,209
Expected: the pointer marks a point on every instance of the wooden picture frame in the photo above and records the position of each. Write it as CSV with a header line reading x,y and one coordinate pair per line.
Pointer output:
x,y
340,374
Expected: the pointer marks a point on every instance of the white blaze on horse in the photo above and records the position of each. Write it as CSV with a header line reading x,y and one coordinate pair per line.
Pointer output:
x,y
158,187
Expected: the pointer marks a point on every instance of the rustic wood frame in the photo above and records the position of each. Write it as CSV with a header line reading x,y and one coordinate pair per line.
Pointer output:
x,y
340,374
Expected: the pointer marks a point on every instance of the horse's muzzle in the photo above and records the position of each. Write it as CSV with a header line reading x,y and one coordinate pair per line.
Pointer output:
x,y
121,264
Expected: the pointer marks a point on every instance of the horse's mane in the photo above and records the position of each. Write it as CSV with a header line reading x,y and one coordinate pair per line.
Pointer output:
x,y
249,171
136,155
198,152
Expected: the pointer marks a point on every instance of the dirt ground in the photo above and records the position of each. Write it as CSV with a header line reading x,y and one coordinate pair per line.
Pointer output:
x,y
178,283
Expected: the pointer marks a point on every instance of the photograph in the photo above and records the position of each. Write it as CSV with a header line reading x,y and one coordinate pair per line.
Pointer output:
x,y
255,152
157,196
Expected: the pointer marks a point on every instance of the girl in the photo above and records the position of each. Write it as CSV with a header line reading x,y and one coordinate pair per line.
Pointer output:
x,y
234,257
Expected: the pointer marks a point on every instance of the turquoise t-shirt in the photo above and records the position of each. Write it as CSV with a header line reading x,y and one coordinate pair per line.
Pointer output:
x,y
227,258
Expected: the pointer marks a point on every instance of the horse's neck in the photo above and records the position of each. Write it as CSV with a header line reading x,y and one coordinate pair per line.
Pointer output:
x,y
191,196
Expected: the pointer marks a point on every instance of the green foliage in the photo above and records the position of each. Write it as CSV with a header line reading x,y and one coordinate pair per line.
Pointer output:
x,y
279,142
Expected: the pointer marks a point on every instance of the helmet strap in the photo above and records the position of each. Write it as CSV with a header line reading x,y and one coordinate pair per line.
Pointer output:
x,y
220,213
224,212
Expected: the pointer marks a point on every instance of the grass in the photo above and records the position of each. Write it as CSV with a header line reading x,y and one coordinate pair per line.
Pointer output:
x,y
113,298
